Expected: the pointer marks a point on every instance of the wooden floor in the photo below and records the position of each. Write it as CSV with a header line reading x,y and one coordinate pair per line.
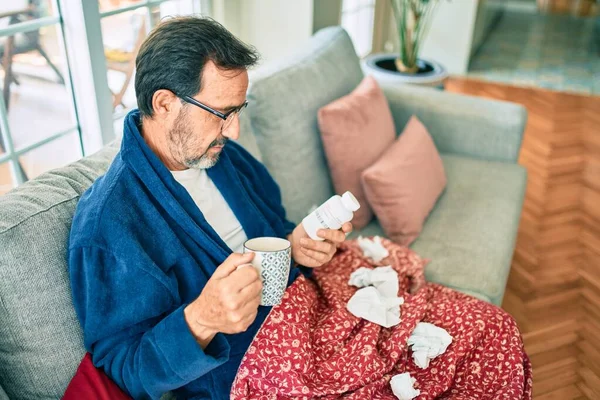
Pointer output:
x,y
554,285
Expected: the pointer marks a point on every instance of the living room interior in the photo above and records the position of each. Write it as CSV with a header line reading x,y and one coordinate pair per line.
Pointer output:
x,y
527,71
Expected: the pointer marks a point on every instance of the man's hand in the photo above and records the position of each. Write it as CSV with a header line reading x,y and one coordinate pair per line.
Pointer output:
x,y
229,301
314,253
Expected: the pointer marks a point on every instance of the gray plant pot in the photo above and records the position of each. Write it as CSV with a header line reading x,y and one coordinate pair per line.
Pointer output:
x,y
430,72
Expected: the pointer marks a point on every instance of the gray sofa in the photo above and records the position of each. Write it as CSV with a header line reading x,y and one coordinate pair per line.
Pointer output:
x,y
469,236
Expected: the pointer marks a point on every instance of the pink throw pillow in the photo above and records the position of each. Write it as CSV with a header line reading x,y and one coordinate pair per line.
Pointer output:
x,y
405,183
356,129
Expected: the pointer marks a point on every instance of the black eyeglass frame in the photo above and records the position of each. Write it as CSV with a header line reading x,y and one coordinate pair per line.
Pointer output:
x,y
219,114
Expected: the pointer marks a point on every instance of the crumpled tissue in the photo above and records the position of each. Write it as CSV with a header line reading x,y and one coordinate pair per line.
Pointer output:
x,y
428,341
370,304
385,279
373,248
402,386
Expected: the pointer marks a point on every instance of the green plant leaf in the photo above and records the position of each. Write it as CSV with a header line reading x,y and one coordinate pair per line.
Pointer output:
x,y
413,21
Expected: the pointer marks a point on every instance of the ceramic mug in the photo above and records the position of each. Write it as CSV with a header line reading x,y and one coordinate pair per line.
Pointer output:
x,y
272,259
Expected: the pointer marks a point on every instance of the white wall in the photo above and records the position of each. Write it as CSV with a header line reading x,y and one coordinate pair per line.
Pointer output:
x,y
274,27
451,34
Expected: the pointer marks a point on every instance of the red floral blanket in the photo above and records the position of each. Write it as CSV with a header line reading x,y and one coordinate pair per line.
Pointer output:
x,y
311,346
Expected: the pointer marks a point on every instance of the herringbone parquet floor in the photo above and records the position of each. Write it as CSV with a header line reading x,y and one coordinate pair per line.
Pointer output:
x,y
554,284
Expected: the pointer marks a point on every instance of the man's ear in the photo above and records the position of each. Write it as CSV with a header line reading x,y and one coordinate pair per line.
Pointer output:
x,y
164,102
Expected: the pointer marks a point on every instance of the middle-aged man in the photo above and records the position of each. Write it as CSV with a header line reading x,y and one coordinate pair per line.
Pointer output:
x,y
156,242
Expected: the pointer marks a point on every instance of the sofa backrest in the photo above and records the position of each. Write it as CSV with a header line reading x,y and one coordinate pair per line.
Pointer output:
x,y
284,99
40,338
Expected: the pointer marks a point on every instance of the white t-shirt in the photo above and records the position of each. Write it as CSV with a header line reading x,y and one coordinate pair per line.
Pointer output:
x,y
214,207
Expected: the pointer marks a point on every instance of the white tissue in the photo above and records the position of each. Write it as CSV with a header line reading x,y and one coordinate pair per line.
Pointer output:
x,y
373,248
385,279
378,299
428,341
370,304
402,386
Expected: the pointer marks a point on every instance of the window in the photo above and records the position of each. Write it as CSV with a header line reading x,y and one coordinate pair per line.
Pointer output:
x,y
64,87
37,113
125,25
358,18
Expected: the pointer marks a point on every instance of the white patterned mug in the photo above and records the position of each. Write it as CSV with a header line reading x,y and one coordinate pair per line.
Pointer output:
x,y
272,259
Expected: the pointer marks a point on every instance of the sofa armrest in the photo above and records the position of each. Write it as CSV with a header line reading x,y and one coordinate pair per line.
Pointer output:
x,y
464,125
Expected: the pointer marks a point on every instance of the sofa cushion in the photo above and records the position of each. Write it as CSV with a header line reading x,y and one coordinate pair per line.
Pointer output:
x,y
470,234
247,139
40,338
285,97
405,183
356,129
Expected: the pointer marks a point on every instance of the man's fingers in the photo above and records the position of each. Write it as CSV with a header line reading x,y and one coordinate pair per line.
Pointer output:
x,y
243,276
250,319
311,262
231,263
250,306
332,235
252,290
323,247
241,258
315,255
240,320
347,227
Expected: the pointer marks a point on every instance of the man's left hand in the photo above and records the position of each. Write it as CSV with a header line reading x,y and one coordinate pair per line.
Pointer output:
x,y
313,253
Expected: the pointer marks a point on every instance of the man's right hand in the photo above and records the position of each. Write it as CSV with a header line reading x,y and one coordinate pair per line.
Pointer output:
x,y
229,301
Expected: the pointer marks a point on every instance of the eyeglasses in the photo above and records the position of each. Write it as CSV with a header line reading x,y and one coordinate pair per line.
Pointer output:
x,y
226,118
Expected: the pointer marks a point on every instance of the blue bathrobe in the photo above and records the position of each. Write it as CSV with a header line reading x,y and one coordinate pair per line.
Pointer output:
x,y
140,250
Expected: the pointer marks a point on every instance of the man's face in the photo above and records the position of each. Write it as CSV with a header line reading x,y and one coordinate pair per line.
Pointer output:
x,y
195,137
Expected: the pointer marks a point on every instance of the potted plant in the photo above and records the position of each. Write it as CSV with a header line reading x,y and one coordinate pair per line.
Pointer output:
x,y
413,19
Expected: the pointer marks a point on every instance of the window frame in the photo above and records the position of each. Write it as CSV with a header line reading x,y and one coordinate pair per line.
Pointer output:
x,y
81,44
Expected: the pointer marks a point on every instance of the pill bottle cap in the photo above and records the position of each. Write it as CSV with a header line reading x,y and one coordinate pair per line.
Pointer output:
x,y
350,202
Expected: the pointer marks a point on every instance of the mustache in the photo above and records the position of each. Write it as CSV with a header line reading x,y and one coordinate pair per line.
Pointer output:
x,y
219,142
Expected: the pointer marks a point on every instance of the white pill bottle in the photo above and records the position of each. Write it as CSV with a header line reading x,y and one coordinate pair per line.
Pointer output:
x,y
332,214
